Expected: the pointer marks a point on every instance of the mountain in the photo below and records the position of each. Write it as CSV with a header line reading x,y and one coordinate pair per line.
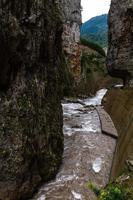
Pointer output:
x,y
96,30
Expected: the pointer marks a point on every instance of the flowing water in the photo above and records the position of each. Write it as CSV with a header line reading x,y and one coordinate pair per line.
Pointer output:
x,y
88,153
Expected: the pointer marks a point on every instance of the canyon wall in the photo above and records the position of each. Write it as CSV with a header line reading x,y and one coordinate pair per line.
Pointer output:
x,y
120,52
71,16
34,37
31,77
94,75
119,104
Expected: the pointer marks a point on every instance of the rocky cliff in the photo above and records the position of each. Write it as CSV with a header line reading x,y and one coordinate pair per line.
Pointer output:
x,y
94,75
31,140
120,52
71,16
119,104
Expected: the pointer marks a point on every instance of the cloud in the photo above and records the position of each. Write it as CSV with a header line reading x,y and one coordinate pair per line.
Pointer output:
x,y
93,8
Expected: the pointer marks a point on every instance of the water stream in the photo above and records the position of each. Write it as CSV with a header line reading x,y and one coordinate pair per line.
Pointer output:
x,y
87,154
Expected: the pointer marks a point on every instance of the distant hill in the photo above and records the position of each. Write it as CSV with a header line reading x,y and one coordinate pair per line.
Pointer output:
x,y
96,30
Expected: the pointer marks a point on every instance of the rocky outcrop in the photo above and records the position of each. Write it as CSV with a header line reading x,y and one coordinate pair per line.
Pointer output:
x,y
71,15
120,52
31,139
119,104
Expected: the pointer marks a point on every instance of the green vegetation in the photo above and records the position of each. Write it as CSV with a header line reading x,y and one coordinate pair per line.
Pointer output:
x,y
94,74
121,189
93,46
96,30
113,192
91,63
93,71
92,187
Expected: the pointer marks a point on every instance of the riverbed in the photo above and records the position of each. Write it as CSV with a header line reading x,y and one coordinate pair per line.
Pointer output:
x,y
88,154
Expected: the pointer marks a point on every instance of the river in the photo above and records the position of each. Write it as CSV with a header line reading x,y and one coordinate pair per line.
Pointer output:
x,y
88,154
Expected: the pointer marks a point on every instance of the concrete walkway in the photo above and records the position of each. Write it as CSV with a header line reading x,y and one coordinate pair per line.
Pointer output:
x,y
107,125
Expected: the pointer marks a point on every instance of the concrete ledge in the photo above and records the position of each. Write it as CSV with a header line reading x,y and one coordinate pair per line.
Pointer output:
x,y
107,124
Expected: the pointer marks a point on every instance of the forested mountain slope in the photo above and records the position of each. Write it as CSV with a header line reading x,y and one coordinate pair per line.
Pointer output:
x,y
96,30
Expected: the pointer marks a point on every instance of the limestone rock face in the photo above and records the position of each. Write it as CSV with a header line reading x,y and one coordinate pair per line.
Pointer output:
x,y
71,15
31,139
120,53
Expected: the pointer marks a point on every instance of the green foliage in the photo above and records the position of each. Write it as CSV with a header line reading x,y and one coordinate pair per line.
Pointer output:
x,y
93,46
112,192
96,30
94,62
100,39
92,187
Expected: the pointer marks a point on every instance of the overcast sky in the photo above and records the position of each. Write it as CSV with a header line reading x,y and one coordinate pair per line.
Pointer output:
x,y
92,8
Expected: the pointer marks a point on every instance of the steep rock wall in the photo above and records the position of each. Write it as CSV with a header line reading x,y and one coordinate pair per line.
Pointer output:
x,y
120,52
71,15
94,75
31,139
119,104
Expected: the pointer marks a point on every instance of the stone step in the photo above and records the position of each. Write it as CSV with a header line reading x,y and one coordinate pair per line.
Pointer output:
x,y
107,124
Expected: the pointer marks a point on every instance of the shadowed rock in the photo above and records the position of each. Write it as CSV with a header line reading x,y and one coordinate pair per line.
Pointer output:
x,y
120,52
31,139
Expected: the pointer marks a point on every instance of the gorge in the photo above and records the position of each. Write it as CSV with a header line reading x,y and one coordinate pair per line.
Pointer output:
x,y
41,64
